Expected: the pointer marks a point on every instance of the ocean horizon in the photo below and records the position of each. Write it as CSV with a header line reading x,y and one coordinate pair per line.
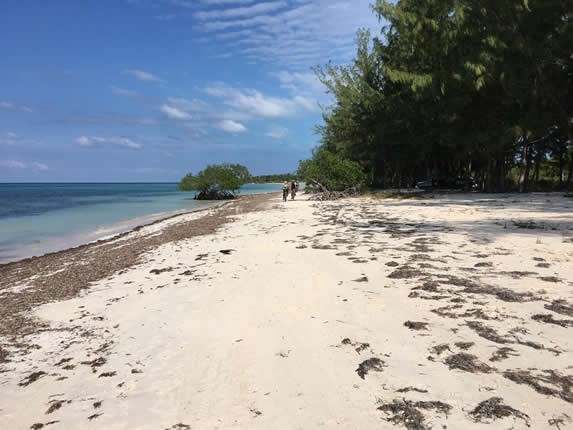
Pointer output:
x,y
37,218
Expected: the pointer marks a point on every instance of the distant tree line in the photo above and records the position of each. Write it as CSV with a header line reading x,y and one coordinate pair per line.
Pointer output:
x,y
262,179
457,88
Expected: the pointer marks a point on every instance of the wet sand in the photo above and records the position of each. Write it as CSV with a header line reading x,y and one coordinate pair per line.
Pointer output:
x,y
452,310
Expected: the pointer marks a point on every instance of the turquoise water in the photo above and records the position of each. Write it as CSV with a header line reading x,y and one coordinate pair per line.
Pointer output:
x,y
40,218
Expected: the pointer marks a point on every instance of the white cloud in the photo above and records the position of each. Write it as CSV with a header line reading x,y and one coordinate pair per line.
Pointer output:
x,y
12,164
253,10
15,164
174,113
94,141
278,133
297,35
14,139
231,126
40,166
257,104
124,93
143,76
12,106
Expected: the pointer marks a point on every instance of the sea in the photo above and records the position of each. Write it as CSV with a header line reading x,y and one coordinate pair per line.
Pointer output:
x,y
40,218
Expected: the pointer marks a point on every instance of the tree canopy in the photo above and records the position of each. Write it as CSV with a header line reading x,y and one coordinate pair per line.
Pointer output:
x,y
457,88
216,182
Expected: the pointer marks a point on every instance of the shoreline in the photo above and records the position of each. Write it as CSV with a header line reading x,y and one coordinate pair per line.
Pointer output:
x,y
343,314
121,231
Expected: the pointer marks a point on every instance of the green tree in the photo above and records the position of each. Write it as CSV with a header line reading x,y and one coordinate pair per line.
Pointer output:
x,y
216,182
331,170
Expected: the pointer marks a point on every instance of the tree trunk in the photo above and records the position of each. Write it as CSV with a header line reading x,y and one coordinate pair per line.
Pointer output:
x,y
524,175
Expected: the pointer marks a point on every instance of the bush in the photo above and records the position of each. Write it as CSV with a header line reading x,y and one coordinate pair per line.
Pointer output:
x,y
216,182
331,170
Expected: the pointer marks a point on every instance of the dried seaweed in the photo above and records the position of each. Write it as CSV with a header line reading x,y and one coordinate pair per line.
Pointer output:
x,y
464,345
467,363
31,378
548,382
548,318
374,364
487,332
561,307
408,389
493,409
405,272
406,413
503,353
416,325
438,349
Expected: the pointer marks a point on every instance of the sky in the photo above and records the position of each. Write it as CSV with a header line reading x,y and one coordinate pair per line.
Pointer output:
x,y
149,90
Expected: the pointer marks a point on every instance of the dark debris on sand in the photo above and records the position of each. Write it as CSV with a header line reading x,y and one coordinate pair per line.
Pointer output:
x,y
561,307
467,363
493,409
31,378
407,413
548,319
372,364
547,382
487,332
503,353
416,325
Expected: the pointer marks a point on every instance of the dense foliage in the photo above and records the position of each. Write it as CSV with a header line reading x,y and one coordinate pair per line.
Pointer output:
x,y
216,182
458,88
332,171
267,179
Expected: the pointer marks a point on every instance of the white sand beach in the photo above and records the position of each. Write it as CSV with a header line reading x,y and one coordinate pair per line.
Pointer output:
x,y
353,314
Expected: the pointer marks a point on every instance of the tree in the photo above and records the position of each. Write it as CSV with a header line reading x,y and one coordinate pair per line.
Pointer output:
x,y
216,182
332,171
457,88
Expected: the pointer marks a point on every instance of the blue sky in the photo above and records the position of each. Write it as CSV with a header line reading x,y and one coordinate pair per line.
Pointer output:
x,y
148,90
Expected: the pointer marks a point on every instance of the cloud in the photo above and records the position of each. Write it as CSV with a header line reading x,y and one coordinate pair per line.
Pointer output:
x,y
231,126
40,166
257,104
14,139
278,133
124,93
14,164
298,34
253,10
12,106
165,17
143,76
174,113
94,141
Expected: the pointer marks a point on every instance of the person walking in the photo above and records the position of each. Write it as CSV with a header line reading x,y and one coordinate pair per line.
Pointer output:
x,y
293,189
285,191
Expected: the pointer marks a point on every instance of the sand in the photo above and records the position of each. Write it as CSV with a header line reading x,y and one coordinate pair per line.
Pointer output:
x,y
449,310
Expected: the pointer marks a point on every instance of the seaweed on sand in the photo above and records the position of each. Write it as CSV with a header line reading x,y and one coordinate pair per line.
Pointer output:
x,y
366,366
467,363
487,332
416,325
407,413
503,353
405,272
464,345
561,307
438,349
493,409
548,382
32,377
548,318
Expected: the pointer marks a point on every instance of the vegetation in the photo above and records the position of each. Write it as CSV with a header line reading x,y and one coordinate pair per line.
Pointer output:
x,y
456,88
266,179
332,171
216,182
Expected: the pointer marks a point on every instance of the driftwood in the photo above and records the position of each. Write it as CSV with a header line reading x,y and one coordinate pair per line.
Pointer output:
x,y
321,193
